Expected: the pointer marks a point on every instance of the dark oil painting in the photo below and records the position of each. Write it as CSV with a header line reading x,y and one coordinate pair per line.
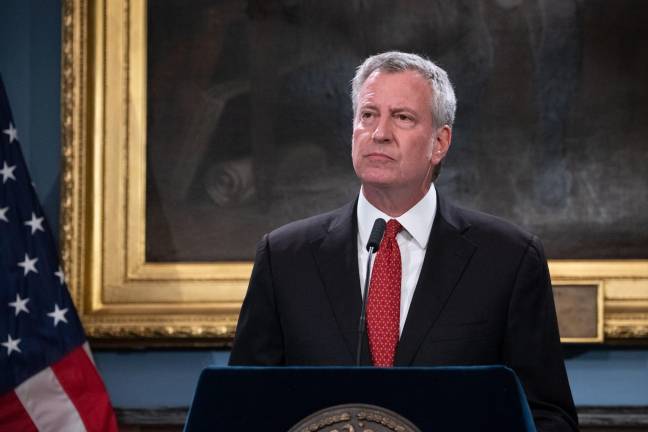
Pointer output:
x,y
249,119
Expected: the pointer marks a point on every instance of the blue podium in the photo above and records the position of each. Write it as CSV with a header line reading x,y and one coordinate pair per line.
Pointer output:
x,y
472,398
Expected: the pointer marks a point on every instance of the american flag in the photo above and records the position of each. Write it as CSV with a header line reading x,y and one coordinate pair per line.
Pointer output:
x,y
48,380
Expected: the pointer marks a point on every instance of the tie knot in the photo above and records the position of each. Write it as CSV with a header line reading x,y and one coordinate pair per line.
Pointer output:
x,y
392,229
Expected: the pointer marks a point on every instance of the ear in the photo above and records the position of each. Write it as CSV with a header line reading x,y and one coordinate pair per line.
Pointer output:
x,y
441,144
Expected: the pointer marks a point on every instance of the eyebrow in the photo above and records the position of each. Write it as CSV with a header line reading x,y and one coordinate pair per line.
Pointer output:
x,y
368,106
399,109
391,110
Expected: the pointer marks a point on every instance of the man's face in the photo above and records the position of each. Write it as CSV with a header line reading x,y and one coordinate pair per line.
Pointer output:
x,y
395,143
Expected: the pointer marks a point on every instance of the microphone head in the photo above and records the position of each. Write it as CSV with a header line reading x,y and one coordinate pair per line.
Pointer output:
x,y
376,234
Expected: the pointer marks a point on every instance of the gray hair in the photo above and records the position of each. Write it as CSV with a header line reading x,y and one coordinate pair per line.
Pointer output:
x,y
443,103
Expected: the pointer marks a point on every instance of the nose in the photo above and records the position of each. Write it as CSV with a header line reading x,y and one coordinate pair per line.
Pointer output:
x,y
383,132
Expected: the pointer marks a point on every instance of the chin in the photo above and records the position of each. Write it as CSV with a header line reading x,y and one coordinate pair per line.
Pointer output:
x,y
377,182
377,176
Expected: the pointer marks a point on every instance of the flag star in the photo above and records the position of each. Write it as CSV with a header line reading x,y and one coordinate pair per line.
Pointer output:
x,y
12,132
11,345
36,224
20,304
3,214
7,172
58,314
29,264
59,274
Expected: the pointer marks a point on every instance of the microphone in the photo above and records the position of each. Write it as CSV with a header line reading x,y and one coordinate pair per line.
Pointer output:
x,y
376,235
372,246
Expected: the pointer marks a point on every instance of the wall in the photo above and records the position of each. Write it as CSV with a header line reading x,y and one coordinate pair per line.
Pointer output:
x,y
30,62
30,34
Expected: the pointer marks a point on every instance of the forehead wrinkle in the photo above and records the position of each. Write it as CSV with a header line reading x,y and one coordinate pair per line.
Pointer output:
x,y
371,100
366,97
372,94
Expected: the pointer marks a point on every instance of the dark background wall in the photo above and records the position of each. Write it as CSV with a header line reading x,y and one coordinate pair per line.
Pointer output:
x,y
30,42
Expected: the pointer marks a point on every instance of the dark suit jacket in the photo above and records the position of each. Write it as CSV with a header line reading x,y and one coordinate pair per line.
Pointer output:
x,y
483,297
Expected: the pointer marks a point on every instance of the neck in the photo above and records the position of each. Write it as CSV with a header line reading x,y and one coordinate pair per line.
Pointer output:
x,y
393,202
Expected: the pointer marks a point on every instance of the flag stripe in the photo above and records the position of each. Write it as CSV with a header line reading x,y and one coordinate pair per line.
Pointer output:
x,y
47,403
13,416
86,348
82,383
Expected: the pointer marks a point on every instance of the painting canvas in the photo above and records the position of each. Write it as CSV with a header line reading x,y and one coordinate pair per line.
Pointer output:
x,y
249,118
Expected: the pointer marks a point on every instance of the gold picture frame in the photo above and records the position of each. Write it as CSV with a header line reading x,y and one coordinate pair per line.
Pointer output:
x,y
119,294
122,297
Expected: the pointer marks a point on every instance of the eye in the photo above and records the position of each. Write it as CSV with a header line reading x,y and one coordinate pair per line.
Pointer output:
x,y
366,115
404,119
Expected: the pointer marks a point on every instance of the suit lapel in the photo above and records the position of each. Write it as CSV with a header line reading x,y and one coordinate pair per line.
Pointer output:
x,y
337,258
447,255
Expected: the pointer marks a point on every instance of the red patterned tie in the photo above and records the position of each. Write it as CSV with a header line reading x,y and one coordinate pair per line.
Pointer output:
x,y
383,305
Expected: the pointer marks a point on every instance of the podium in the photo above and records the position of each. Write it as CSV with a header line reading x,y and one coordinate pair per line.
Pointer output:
x,y
433,399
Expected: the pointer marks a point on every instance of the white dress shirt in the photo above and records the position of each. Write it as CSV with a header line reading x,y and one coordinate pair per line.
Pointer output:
x,y
412,241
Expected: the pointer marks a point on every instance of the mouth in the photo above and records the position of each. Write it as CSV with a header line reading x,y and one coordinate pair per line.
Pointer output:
x,y
378,157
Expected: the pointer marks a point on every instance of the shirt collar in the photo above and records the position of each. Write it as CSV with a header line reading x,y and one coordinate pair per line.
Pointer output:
x,y
417,221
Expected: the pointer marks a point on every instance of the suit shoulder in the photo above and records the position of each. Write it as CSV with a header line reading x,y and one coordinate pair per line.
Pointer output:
x,y
482,227
304,231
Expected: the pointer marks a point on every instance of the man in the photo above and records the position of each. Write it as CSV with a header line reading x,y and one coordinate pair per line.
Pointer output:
x,y
448,287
